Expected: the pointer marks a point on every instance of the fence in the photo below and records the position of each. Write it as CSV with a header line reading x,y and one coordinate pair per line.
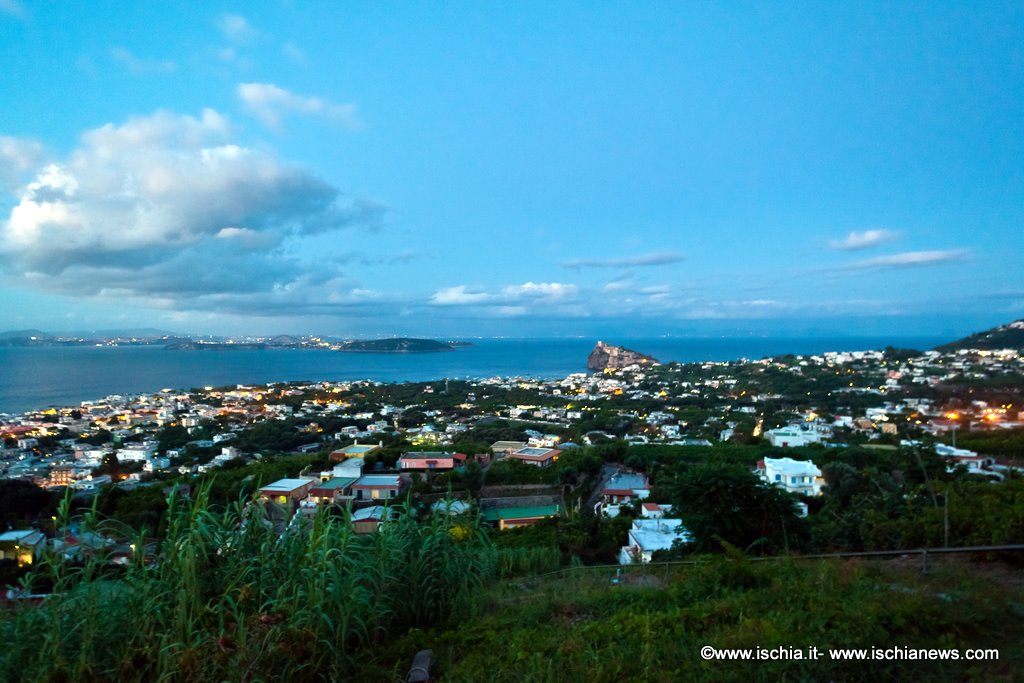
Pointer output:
x,y
923,553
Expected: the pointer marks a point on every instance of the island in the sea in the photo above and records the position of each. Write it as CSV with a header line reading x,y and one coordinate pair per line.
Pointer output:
x,y
608,357
399,345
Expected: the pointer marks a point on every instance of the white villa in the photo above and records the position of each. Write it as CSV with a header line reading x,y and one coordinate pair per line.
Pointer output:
x,y
796,476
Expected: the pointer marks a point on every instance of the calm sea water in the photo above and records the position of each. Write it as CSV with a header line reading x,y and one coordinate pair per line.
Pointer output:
x,y
33,378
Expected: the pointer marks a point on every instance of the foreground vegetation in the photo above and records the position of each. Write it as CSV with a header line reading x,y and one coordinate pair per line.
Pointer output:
x,y
228,598
228,594
649,625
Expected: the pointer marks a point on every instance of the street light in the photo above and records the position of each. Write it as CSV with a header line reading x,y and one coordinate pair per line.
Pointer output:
x,y
953,418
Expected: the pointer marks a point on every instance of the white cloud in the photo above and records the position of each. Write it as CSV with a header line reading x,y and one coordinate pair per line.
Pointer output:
x,y
864,240
548,290
653,259
909,259
458,296
168,209
137,65
16,157
270,103
245,238
236,29
543,293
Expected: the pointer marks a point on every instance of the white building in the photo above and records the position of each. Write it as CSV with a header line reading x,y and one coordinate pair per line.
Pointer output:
x,y
648,535
796,476
136,452
789,437
976,464
155,464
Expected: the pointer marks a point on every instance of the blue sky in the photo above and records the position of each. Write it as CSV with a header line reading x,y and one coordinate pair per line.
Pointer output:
x,y
514,169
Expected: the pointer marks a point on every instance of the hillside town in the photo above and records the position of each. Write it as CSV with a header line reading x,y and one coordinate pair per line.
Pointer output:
x,y
495,445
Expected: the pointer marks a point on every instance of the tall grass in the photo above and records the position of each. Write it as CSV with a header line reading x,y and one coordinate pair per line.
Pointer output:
x,y
524,561
230,598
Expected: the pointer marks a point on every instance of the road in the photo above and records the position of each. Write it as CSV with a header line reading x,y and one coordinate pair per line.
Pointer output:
x,y
607,471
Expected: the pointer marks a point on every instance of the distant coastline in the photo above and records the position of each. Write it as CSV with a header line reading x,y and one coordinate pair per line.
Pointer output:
x,y
43,376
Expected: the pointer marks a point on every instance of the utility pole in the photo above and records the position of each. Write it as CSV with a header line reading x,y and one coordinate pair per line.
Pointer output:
x,y
946,519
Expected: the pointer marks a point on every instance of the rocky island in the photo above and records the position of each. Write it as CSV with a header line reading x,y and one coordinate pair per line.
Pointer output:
x,y
608,357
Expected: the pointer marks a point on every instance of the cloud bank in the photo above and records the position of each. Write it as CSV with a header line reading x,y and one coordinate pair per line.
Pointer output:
x,y
168,210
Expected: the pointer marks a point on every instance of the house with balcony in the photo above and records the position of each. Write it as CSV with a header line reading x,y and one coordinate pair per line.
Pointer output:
x,y
801,477
334,490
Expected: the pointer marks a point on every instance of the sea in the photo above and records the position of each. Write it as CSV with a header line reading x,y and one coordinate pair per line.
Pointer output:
x,y
35,378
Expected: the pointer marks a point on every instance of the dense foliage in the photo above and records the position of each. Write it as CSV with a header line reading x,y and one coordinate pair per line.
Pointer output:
x,y
730,505
228,598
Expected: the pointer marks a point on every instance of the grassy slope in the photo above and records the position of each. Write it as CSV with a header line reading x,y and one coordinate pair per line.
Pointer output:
x,y
652,627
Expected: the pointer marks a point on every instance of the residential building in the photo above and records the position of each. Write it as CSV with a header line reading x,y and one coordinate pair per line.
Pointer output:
x,y
286,492
507,447
22,546
790,437
378,487
654,510
625,487
369,520
540,457
796,476
332,491
432,460
356,450
647,536
508,513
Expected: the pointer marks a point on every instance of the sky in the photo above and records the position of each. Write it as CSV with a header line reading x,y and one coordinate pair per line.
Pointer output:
x,y
512,168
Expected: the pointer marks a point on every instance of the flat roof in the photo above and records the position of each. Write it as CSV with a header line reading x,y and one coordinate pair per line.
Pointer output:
x,y
19,535
496,514
357,449
507,445
533,451
379,480
789,466
335,483
627,481
662,525
285,485
656,540
375,512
